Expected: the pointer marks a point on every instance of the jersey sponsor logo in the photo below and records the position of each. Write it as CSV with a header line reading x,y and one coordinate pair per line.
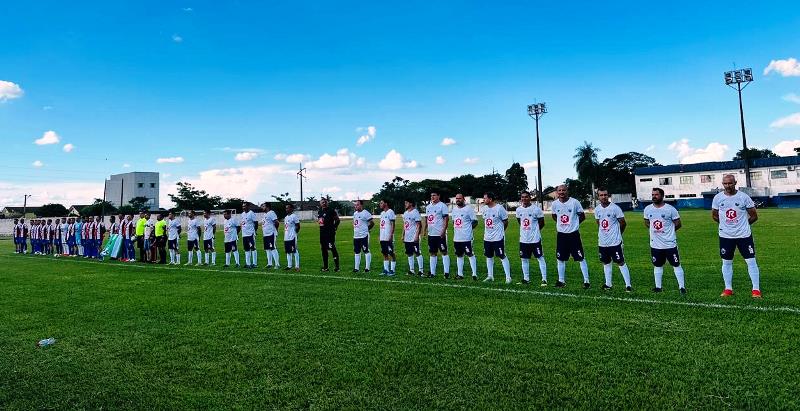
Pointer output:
x,y
431,217
526,224
658,225
731,214
458,222
564,219
489,223
604,224
406,225
355,222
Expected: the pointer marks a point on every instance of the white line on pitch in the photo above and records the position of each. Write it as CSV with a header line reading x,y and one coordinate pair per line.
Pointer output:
x,y
781,309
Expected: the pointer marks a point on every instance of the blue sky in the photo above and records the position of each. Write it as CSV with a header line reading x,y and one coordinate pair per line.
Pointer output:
x,y
202,83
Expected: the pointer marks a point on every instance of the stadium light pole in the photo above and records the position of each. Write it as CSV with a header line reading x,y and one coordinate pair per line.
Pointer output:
x,y
738,80
25,204
302,176
536,111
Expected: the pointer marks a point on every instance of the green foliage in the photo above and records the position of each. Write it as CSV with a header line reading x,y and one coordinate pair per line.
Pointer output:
x,y
52,210
190,198
99,207
138,203
754,153
616,173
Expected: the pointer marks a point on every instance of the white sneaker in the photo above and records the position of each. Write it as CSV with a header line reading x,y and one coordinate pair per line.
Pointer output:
x,y
488,279
508,281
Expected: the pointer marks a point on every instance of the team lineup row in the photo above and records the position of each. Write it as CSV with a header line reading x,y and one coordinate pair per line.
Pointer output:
x,y
732,209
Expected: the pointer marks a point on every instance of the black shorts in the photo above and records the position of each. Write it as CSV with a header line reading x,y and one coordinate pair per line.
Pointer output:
x,y
613,253
230,246
361,245
526,250
327,241
727,246
269,242
249,243
290,246
139,242
494,249
191,245
437,243
660,256
463,247
569,244
172,244
387,247
412,247
208,245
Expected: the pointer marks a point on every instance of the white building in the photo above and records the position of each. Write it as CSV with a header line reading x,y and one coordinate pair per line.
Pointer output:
x,y
693,185
121,188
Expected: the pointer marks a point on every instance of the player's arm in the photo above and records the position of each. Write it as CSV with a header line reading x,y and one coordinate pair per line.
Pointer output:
x,y
370,224
553,214
752,215
505,224
419,230
647,223
297,227
581,217
677,223
276,223
391,235
475,222
541,222
622,224
446,221
336,220
715,214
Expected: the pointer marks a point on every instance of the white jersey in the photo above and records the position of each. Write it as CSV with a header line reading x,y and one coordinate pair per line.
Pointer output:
x,y
229,226
608,232
410,220
387,220
733,218
290,227
528,217
248,224
208,228
361,223
435,217
193,229
662,227
462,223
493,228
268,223
173,229
567,220
64,228
149,227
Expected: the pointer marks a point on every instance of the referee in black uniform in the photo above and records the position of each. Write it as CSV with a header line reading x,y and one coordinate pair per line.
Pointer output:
x,y
328,223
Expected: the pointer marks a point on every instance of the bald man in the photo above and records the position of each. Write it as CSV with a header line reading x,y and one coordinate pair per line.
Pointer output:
x,y
568,215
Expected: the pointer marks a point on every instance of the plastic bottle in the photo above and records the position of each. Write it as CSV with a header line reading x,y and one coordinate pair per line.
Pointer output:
x,y
46,342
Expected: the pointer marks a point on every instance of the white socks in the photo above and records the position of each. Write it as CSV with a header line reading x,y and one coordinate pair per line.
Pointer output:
x,y
411,264
368,260
357,258
607,269
385,265
526,269
189,257
543,268
289,259
433,264
276,259
585,271
296,259
247,258
269,257
658,273
490,267
473,264
727,274
419,262
507,268
626,274
446,263
679,276
392,265
236,257
460,266
227,258
172,256
562,269
755,273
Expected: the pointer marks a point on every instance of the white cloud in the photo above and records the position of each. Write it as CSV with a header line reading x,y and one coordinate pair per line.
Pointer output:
x,y
9,91
49,137
239,150
394,161
447,141
356,195
331,190
440,160
786,68
62,192
371,131
47,108
280,157
246,156
68,147
176,38
37,164
788,121
126,165
650,148
530,165
187,9
786,148
792,98
169,160
689,155
471,160
343,159
296,158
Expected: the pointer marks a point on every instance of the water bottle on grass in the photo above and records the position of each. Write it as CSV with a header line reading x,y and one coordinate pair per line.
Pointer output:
x,y
46,342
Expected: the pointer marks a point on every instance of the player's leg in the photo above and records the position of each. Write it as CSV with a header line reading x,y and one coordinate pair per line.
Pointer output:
x,y
605,259
334,254
619,258
367,254
578,255
727,247
409,246
501,253
562,256
460,250
538,253
385,254
675,261
525,252
659,257
445,257
747,249
392,259
323,247
356,255
433,253
488,252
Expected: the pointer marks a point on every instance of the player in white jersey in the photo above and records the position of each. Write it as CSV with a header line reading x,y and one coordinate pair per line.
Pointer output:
x,y
437,220
735,212
249,228
291,228
386,234
173,235
412,228
193,238
209,231
610,226
495,222
464,222
568,215
64,228
531,223
230,229
269,228
362,223
663,221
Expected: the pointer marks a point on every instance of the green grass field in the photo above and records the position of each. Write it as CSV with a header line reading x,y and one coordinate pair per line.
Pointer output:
x,y
143,336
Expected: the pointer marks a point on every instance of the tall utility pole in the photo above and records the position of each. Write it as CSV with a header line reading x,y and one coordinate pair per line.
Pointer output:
x,y
536,111
25,204
734,79
302,176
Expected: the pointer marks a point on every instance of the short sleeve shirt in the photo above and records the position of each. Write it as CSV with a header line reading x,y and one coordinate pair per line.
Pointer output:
x,y
462,223
528,217
662,226
387,218
410,220
733,218
493,227
608,230
435,218
567,220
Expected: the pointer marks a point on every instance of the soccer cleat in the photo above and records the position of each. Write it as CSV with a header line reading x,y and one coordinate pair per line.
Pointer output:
x,y
410,273
605,287
560,284
355,271
526,282
297,269
366,270
268,267
586,286
446,276
384,272
488,279
287,269
628,289
431,275
391,274
474,277
336,270
508,281
459,277
421,273
238,266
726,293
543,284
683,291
756,294
657,289
325,270
188,264
225,266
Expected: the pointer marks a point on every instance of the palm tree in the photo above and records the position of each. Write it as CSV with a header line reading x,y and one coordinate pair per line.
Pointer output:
x,y
586,163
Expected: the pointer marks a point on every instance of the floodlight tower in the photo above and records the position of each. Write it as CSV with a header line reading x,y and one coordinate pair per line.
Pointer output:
x,y
738,80
536,111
